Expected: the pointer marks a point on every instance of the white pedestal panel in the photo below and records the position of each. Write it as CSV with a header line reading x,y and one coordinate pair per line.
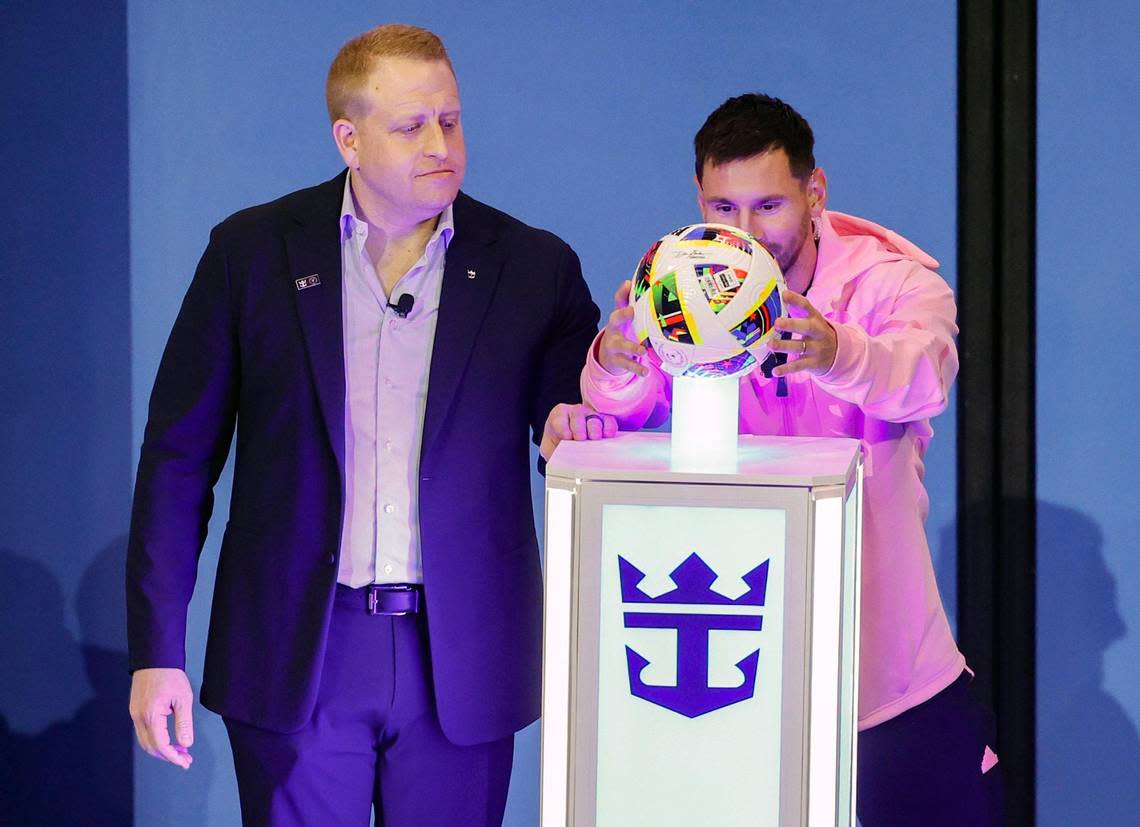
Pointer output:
x,y
701,635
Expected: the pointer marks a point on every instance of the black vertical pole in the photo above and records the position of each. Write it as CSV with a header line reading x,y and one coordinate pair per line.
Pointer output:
x,y
996,396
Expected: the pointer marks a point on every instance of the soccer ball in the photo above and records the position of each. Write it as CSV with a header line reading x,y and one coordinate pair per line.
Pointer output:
x,y
705,299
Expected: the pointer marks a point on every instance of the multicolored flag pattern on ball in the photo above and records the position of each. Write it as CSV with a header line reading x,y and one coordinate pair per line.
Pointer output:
x,y
706,298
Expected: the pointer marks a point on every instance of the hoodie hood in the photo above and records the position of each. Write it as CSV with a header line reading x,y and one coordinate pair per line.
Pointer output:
x,y
849,226
848,247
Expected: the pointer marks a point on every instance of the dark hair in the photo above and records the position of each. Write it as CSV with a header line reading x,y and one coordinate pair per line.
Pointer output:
x,y
751,124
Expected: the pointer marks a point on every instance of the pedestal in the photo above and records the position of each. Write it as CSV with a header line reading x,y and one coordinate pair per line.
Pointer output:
x,y
701,635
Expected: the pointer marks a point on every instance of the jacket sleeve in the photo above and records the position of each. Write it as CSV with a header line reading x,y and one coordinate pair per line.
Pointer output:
x,y
898,365
573,326
186,442
635,401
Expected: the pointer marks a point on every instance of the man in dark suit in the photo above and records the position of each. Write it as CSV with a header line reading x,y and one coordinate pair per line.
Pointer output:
x,y
383,343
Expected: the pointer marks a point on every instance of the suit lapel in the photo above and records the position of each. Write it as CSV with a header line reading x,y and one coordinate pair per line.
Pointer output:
x,y
314,249
470,277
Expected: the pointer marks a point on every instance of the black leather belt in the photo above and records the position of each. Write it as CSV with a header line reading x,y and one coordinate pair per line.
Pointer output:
x,y
393,598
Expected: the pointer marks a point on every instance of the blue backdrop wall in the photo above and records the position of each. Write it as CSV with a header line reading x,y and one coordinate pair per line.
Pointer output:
x,y
578,119
1088,528
65,391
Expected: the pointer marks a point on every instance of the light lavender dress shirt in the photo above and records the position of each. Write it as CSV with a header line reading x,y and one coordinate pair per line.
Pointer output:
x,y
386,364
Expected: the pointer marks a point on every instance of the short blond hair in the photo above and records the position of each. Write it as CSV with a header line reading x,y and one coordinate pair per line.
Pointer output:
x,y
354,62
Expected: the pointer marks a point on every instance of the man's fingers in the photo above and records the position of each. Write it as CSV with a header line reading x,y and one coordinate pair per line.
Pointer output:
x,y
158,741
578,423
637,367
164,749
184,722
143,721
626,364
144,738
547,445
812,360
795,347
170,753
621,296
620,319
156,693
815,346
560,426
805,327
794,366
619,355
589,424
558,423
618,335
616,343
601,426
155,724
797,300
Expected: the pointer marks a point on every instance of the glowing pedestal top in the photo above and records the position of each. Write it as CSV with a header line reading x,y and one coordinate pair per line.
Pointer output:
x,y
760,460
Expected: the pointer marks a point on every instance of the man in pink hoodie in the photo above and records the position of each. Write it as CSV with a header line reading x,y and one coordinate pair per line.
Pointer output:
x,y
870,355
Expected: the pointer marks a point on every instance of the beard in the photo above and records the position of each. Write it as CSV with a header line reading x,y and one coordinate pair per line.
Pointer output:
x,y
787,255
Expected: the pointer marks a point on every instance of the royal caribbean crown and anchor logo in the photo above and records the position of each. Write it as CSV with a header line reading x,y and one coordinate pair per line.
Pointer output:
x,y
692,696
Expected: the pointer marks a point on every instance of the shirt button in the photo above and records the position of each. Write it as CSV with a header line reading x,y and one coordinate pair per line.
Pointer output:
x,y
388,445
387,382
389,508
388,568
392,323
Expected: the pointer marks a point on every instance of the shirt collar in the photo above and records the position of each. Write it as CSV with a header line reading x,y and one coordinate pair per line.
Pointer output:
x,y
351,226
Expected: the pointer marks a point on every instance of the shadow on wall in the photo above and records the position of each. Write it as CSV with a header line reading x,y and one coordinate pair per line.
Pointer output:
x,y
1088,750
60,765
66,742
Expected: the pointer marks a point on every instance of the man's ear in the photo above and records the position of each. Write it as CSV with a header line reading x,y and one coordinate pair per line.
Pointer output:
x,y
817,192
344,135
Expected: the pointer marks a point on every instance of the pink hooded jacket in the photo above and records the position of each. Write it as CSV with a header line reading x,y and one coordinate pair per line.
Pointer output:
x,y
895,362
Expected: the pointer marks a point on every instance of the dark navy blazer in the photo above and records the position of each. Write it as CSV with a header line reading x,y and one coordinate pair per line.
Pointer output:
x,y
251,348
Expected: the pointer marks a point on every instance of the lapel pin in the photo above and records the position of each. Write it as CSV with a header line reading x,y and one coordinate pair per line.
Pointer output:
x,y
470,274
308,281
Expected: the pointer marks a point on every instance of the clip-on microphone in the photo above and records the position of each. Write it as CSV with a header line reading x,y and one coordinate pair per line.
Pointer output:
x,y
403,305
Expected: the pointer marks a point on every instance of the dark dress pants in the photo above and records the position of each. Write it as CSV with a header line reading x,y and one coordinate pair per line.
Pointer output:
x,y
928,767
374,741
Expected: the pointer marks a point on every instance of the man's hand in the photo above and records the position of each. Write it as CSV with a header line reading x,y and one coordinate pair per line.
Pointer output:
x,y
814,350
155,694
574,422
618,352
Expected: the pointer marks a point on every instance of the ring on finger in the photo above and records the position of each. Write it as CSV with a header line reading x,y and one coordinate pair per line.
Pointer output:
x,y
803,346
594,416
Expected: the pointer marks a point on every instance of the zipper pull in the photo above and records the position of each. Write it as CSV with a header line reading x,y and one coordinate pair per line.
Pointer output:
x,y
772,361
